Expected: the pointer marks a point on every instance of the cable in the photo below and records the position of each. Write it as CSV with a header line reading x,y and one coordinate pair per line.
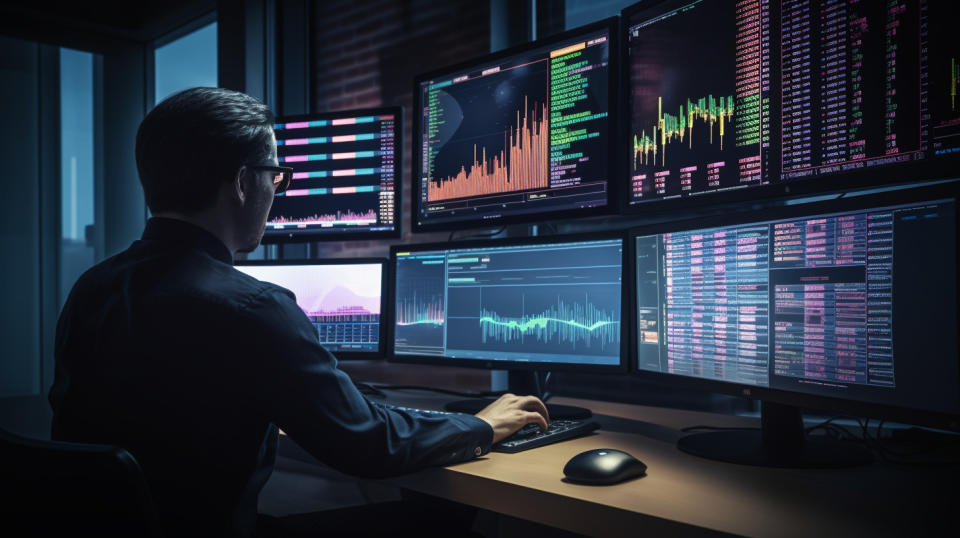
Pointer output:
x,y
478,235
487,234
897,456
705,427
545,395
873,441
876,443
825,425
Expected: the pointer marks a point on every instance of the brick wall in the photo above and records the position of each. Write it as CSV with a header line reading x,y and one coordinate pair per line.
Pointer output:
x,y
365,53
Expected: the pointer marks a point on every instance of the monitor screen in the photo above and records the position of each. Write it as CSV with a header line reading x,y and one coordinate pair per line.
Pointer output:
x,y
346,178
774,97
343,300
556,302
856,304
516,135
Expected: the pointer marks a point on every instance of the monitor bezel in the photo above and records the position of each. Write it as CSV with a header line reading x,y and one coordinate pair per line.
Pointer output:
x,y
384,278
626,319
834,405
295,236
935,167
615,175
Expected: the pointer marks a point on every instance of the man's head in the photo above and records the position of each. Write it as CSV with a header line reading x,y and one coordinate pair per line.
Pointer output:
x,y
199,155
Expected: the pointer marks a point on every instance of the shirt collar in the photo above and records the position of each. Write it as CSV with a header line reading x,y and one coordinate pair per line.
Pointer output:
x,y
188,235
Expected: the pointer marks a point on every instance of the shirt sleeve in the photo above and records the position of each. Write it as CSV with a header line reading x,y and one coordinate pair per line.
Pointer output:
x,y
318,406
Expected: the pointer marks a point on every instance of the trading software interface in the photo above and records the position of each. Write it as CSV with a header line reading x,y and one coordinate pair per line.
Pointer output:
x,y
734,95
341,300
523,134
556,303
859,304
344,175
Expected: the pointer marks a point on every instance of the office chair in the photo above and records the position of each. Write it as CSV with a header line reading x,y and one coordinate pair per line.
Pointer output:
x,y
52,488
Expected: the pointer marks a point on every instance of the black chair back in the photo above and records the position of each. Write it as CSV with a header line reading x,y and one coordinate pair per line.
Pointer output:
x,y
53,488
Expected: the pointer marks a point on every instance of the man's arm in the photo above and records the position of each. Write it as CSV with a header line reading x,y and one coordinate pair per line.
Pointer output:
x,y
318,406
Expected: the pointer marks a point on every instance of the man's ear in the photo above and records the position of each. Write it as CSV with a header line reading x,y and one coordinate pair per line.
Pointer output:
x,y
239,189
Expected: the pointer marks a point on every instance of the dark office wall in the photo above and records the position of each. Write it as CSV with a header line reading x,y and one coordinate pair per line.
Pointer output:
x,y
365,54
29,153
19,237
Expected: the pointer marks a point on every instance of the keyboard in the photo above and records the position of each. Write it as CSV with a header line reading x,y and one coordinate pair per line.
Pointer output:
x,y
530,436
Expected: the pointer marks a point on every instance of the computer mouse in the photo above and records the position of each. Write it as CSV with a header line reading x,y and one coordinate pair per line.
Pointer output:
x,y
603,466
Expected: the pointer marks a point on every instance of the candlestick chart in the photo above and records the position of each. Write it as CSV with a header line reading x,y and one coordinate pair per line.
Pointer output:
x,y
697,101
713,112
954,81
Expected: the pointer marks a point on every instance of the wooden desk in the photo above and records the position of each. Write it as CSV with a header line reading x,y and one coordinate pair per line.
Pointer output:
x,y
686,495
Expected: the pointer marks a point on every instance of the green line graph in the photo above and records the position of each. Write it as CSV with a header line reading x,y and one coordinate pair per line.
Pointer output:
x,y
576,323
542,322
420,322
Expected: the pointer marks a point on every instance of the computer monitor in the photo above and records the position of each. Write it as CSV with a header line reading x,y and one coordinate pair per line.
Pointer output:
x,y
346,179
342,298
518,135
550,303
848,306
729,101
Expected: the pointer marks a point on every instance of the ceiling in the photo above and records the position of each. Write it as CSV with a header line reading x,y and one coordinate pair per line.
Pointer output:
x,y
86,24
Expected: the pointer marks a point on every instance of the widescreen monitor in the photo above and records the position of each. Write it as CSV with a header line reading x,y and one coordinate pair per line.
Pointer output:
x,y
522,134
346,176
727,101
549,303
848,306
343,299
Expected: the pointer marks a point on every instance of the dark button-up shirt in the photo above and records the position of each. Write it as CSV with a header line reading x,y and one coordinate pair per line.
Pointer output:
x,y
167,350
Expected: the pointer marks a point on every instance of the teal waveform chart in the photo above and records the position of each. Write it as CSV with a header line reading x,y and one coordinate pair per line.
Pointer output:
x,y
419,323
419,306
570,324
420,311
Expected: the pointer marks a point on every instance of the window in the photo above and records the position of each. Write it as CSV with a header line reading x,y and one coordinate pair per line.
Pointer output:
x,y
186,62
76,167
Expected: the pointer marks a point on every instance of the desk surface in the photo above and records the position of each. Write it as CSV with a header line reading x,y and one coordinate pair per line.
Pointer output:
x,y
686,495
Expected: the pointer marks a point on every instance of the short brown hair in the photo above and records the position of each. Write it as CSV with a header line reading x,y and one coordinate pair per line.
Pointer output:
x,y
196,139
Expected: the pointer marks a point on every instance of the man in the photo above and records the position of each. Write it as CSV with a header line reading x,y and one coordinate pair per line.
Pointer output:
x,y
167,350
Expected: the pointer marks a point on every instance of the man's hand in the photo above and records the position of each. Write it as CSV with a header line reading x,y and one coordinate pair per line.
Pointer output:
x,y
511,412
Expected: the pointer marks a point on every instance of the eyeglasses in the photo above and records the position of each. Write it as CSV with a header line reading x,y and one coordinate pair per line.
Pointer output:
x,y
281,175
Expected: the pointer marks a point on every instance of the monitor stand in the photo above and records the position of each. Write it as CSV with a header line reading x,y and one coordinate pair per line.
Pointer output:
x,y
781,442
521,383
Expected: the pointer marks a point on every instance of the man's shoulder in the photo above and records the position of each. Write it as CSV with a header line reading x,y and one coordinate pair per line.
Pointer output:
x,y
219,282
258,291
187,277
